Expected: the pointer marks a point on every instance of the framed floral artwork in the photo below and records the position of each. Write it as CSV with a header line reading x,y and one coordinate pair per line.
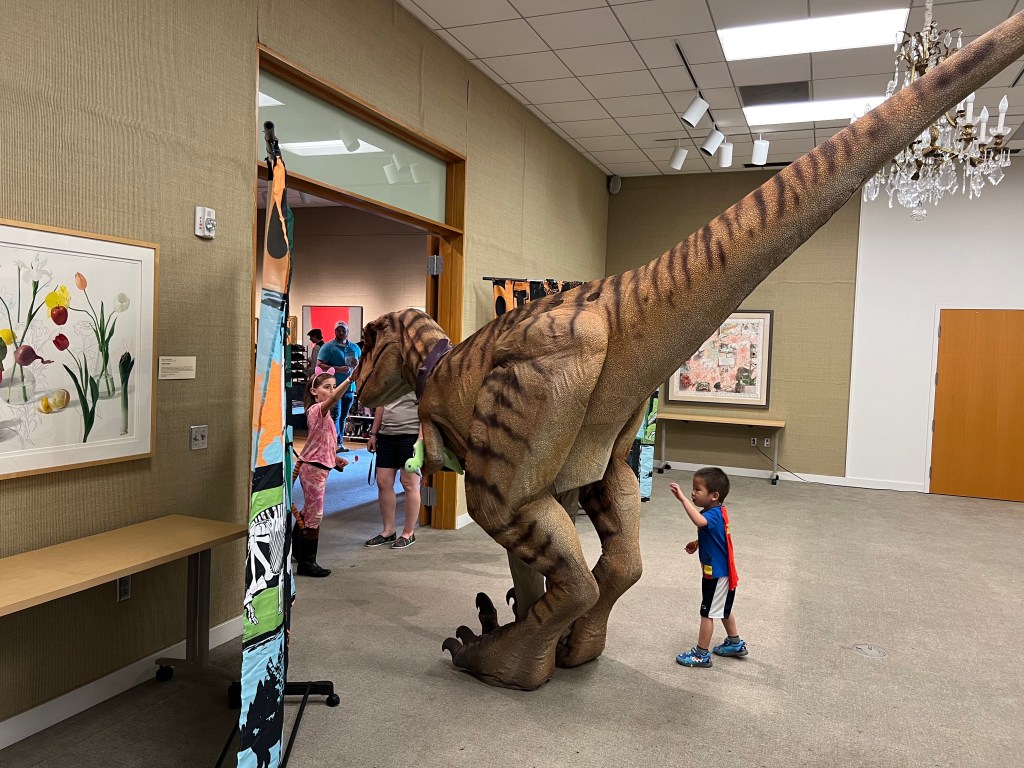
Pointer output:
x,y
730,368
77,341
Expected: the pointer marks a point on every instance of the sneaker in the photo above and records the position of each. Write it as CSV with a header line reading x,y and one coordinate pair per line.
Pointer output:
x,y
379,539
694,658
731,649
403,542
343,449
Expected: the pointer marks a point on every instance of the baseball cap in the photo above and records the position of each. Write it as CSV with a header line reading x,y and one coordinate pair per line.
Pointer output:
x,y
339,324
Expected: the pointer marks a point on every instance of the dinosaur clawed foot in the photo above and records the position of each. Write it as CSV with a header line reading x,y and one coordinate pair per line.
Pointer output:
x,y
500,655
584,642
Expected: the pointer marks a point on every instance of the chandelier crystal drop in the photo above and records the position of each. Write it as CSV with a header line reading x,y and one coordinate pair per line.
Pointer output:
x,y
957,151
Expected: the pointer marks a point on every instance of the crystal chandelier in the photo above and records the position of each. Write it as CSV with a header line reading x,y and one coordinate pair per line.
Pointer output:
x,y
957,151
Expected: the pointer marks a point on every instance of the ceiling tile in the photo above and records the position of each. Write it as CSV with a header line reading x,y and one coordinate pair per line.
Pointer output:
x,y
529,66
663,153
550,91
602,59
540,115
1007,77
571,30
419,13
664,138
604,143
456,13
659,52
650,123
659,18
631,106
701,48
582,129
823,134
680,100
737,13
502,38
573,110
673,79
486,70
712,75
974,18
802,133
620,84
459,47
859,61
729,119
721,98
694,163
644,168
840,7
789,146
784,127
540,7
848,87
778,69
514,93
620,156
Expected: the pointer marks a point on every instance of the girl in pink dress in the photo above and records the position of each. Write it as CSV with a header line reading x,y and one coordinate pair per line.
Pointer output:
x,y
318,458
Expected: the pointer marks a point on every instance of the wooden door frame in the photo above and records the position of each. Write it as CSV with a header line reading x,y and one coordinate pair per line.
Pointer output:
x,y
444,293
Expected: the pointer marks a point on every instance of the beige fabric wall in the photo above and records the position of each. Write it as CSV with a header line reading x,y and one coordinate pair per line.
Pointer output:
x,y
120,118
346,256
811,294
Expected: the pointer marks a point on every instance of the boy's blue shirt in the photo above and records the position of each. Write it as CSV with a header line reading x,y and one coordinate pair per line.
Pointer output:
x,y
713,548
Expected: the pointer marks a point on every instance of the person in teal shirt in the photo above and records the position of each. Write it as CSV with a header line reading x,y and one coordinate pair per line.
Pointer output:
x,y
341,355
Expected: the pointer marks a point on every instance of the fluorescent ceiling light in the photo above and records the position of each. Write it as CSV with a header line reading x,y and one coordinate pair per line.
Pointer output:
x,y
268,101
332,147
809,111
827,33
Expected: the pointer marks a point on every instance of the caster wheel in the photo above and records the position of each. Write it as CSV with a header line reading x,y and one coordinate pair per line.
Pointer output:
x,y
235,696
333,700
164,673
661,470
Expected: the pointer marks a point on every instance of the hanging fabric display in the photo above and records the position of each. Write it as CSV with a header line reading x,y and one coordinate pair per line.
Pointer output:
x,y
268,585
510,293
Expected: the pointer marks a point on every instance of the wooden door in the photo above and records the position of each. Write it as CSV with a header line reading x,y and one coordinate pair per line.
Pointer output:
x,y
978,437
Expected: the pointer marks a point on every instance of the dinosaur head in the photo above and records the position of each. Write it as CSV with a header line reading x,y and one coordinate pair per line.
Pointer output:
x,y
394,347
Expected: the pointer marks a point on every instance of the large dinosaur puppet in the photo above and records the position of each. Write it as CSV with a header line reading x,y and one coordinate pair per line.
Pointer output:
x,y
547,398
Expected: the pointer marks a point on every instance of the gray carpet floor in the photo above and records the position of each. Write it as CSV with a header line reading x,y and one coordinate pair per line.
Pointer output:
x,y
934,581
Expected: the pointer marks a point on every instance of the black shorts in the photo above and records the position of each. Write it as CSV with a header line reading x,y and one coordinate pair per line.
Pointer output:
x,y
716,598
394,450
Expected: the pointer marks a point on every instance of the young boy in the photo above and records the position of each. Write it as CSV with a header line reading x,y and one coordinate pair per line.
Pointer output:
x,y
718,587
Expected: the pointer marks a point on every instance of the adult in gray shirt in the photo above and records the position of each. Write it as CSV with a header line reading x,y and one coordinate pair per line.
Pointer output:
x,y
396,427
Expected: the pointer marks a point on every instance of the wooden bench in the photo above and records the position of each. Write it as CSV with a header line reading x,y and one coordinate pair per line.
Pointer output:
x,y
775,424
36,577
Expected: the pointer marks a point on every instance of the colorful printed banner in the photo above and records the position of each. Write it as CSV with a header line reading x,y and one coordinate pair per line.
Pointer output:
x,y
268,578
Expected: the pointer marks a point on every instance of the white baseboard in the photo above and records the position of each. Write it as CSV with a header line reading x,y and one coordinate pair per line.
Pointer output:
x,y
849,482
39,718
463,520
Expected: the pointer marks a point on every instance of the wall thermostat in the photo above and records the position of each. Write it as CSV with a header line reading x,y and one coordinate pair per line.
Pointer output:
x,y
206,222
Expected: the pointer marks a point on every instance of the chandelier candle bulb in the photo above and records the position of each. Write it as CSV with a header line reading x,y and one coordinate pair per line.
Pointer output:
x,y
970,108
1003,106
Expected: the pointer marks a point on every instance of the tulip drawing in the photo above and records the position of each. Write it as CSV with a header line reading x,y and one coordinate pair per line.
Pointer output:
x,y
37,276
60,341
59,315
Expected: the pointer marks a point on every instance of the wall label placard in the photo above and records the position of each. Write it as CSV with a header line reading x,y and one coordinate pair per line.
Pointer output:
x,y
177,368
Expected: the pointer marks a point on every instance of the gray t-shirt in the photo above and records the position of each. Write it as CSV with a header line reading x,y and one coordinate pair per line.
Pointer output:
x,y
401,417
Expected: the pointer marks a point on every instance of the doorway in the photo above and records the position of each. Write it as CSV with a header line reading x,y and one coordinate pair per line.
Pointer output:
x,y
977,448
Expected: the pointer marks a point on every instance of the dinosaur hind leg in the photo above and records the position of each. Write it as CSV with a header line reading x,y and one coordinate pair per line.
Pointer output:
x,y
613,505
522,654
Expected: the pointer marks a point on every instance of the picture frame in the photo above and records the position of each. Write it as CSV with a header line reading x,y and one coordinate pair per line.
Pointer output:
x,y
77,349
326,317
733,367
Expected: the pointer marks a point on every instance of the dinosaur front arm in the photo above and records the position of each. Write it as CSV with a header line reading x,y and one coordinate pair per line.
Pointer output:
x,y
433,444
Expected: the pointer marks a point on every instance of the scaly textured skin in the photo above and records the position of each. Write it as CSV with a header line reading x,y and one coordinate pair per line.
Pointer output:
x,y
546,399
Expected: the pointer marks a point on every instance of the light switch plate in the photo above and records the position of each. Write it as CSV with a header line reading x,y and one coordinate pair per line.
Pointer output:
x,y
197,438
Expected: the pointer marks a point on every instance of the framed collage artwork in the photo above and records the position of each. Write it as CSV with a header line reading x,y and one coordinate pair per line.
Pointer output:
x,y
77,333
730,368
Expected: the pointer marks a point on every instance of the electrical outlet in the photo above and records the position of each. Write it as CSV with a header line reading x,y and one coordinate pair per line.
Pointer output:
x,y
124,588
197,438
767,442
753,441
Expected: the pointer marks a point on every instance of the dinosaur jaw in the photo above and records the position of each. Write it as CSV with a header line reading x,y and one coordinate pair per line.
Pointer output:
x,y
379,380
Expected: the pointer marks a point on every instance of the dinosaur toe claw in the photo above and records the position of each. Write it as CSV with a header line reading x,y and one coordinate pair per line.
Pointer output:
x,y
510,596
451,645
465,634
483,603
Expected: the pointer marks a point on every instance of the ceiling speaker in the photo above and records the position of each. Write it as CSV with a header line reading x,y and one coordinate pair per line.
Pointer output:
x,y
614,184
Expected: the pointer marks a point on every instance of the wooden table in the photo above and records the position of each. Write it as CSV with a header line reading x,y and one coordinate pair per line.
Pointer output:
x,y
775,424
36,577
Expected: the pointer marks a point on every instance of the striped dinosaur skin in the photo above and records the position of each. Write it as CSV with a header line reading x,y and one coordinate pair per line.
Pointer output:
x,y
546,399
